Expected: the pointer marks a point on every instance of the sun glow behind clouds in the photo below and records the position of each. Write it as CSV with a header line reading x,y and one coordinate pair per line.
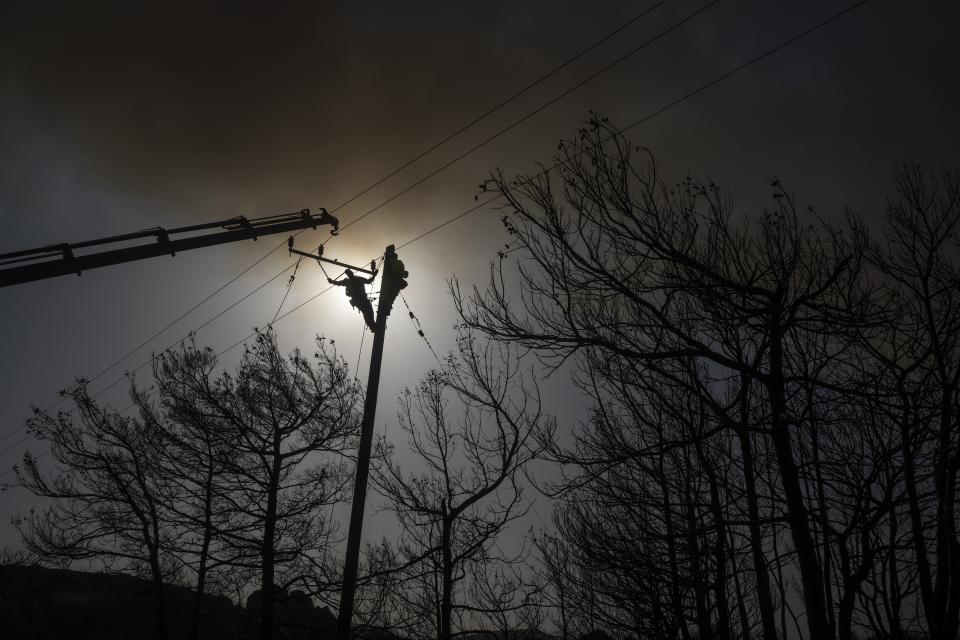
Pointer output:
x,y
313,307
312,276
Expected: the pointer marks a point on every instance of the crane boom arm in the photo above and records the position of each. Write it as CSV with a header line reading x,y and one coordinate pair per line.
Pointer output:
x,y
61,259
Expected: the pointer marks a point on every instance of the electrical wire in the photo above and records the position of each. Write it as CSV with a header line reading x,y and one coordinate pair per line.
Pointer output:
x,y
649,116
143,364
419,328
767,53
454,134
363,334
15,445
186,336
442,168
293,277
158,334
506,101
168,347
547,104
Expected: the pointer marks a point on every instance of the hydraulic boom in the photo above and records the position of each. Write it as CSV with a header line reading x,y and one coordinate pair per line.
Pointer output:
x,y
61,259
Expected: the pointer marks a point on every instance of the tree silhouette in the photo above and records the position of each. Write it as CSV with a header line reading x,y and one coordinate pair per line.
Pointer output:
x,y
223,471
107,493
918,350
467,487
195,462
276,415
771,446
635,278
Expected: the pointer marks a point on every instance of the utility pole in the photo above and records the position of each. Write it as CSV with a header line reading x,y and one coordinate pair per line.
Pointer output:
x,y
391,283
393,280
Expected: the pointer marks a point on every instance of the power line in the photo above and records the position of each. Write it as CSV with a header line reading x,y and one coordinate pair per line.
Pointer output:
x,y
161,332
15,444
438,170
505,102
442,168
148,361
281,317
185,314
457,132
286,293
415,321
202,326
649,116
220,353
143,364
546,171
752,61
548,103
412,161
645,118
363,334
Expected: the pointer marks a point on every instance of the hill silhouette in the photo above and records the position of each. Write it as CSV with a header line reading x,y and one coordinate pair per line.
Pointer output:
x,y
42,603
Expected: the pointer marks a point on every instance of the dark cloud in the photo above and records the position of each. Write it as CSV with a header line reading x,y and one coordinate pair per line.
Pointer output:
x,y
116,116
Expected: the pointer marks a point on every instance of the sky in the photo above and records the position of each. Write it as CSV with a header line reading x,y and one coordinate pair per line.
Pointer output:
x,y
118,116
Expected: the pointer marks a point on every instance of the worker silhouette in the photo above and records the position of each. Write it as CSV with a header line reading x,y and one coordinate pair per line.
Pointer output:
x,y
357,292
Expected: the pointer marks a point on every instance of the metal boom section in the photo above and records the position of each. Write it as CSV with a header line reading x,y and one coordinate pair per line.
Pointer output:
x,y
62,259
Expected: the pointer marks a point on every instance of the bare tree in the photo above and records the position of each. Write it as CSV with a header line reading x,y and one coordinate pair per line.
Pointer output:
x,y
220,471
195,462
107,493
286,420
469,489
919,258
16,557
619,264
554,559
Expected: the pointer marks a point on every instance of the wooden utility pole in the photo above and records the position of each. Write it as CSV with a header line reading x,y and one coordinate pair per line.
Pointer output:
x,y
392,282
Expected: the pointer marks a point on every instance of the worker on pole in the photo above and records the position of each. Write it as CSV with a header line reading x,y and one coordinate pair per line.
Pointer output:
x,y
357,292
393,281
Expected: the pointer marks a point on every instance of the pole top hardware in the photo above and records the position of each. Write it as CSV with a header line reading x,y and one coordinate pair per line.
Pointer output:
x,y
318,256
